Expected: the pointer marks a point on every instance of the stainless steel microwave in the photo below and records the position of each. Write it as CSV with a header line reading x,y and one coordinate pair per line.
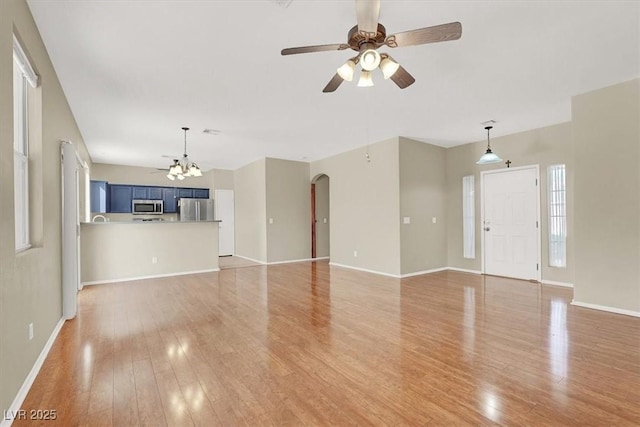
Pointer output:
x,y
147,207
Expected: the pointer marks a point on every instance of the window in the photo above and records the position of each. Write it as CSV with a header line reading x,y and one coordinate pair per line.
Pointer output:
x,y
557,195
23,75
468,217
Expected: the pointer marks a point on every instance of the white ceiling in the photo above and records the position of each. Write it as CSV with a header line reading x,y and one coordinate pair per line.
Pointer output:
x,y
135,72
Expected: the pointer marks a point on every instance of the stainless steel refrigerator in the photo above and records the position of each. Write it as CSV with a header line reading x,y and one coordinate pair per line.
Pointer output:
x,y
195,209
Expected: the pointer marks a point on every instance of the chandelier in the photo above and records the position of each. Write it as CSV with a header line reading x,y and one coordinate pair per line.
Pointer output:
x,y
183,167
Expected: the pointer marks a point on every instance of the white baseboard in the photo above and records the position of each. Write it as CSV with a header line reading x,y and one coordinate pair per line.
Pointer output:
x,y
281,262
250,259
28,382
420,273
464,270
155,276
606,308
296,260
554,283
402,276
395,276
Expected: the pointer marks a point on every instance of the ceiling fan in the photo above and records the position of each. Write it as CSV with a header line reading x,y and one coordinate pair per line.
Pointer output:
x,y
367,37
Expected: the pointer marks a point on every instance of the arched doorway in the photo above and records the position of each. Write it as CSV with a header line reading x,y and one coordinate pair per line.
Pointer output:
x,y
320,224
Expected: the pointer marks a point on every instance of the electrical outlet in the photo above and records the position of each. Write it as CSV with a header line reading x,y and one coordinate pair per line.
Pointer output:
x,y
270,220
433,220
324,220
355,253
406,220
154,260
30,331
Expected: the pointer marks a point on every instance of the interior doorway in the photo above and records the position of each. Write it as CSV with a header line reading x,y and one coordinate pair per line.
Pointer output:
x,y
71,216
511,222
225,212
320,224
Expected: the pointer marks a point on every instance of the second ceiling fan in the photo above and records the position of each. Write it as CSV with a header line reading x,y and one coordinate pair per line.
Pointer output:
x,y
367,37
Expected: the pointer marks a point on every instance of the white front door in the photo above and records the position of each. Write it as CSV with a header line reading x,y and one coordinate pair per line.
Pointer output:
x,y
224,211
510,222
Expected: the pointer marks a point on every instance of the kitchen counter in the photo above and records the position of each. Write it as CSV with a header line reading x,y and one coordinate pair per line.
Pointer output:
x,y
127,250
145,222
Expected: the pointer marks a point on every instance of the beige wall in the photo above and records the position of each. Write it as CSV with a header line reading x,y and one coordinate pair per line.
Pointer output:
x,y
30,282
545,146
114,251
423,244
251,210
323,187
365,207
222,179
289,206
607,199
119,174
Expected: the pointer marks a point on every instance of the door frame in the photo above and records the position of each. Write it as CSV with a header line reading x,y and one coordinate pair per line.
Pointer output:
x,y
215,213
313,220
536,167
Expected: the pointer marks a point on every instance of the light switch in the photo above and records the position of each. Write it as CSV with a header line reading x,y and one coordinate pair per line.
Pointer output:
x,y
324,220
406,220
270,220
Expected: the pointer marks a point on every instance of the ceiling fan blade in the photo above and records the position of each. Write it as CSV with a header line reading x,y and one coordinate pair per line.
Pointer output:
x,y
435,34
402,78
333,84
367,13
310,49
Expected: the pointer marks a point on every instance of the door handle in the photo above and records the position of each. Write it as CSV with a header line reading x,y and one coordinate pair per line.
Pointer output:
x,y
487,228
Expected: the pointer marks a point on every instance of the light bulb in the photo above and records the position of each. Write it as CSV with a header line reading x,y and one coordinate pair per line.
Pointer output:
x,y
365,79
370,59
346,70
388,67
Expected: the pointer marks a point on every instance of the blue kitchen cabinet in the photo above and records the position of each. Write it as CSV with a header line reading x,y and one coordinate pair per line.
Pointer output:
x,y
155,193
140,193
120,198
147,193
99,196
201,193
185,193
170,201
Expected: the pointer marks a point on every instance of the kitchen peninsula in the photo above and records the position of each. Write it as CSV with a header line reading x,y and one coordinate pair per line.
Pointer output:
x,y
128,250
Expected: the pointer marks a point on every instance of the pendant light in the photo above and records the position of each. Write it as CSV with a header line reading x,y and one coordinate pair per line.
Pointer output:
x,y
183,167
489,156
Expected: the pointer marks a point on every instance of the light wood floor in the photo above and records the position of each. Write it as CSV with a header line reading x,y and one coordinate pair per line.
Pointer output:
x,y
227,262
309,344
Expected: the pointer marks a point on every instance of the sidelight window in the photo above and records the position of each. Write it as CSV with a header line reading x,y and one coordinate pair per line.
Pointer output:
x,y
468,217
557,200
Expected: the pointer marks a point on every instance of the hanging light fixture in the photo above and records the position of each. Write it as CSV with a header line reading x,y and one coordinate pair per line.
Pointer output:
x,y
489,156
183,167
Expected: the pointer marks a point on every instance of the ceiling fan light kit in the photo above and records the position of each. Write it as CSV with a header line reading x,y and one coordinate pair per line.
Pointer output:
x,y
367,37
184,167
489,156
